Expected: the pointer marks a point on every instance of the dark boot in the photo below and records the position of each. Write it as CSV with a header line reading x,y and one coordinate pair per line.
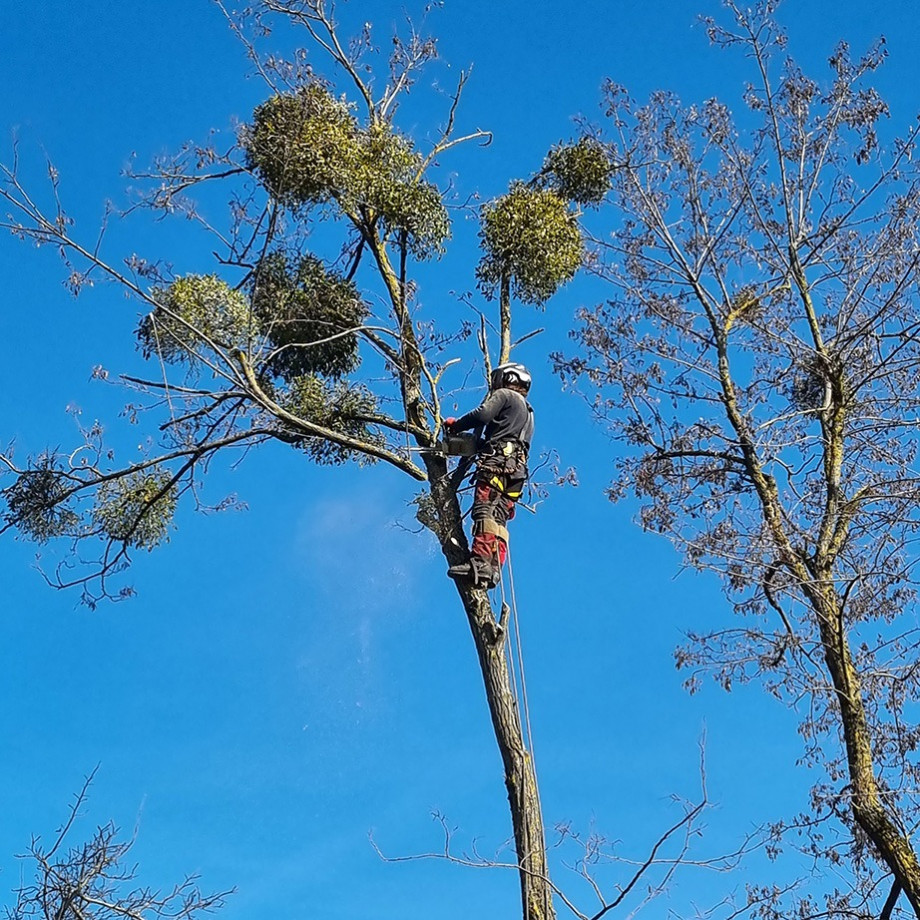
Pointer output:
x,y
488,576
479,571
462,572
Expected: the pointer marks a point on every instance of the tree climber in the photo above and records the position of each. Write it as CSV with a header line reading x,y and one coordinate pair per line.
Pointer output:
x,y
504,426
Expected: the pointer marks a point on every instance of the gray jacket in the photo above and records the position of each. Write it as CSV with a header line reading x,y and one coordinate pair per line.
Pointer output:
x,y
505,415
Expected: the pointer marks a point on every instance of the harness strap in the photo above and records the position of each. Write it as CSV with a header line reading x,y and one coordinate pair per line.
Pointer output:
x,y
505,448
491,527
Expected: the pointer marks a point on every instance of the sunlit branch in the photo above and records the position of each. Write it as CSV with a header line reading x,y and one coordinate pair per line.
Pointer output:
x,y
311,429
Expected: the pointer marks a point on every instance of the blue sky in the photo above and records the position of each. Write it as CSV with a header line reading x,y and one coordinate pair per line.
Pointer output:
x,y
297,675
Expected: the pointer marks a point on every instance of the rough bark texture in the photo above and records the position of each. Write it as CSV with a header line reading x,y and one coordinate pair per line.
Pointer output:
x,y
891,842
520,776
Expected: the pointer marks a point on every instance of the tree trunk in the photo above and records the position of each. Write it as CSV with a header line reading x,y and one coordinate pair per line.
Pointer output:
x,y
520,775
520,778
891,843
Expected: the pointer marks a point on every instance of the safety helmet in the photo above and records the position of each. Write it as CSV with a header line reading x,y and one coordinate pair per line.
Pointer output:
x,y
511,374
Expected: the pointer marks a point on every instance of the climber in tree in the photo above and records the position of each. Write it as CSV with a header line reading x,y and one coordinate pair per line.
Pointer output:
x,y
504,423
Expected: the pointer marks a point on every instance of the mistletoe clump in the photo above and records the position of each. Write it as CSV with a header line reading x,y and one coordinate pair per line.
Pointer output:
x,y
136,509
344,408
531,238
195,312
303,145
580,172
308,149
309,316
36,502
387,183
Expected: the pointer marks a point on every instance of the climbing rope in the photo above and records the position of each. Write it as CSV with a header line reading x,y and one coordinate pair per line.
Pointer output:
x,y
516,660
519,657
519,661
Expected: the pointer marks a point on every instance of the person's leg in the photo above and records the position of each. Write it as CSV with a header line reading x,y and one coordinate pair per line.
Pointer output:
x,y
489,547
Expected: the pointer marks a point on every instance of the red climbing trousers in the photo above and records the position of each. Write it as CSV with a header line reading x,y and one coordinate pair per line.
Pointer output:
x,y
499,481
492,510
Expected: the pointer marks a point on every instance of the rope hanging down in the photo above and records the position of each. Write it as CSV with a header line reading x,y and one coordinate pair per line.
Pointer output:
x,y
511,622
516,661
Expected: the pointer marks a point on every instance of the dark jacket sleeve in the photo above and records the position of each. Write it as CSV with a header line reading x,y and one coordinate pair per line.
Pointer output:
x,y
481,416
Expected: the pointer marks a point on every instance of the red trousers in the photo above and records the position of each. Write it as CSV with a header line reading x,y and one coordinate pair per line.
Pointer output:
x,y
490,504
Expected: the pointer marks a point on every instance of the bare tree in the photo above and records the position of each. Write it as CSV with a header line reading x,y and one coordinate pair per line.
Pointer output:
x,y
91,881
277,344
758,366
607,874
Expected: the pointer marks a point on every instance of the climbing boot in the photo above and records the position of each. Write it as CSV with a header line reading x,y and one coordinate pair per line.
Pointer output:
x,y
462,572
479,571
485,575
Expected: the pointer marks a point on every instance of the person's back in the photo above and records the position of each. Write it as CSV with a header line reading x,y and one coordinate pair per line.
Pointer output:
x,y
505,415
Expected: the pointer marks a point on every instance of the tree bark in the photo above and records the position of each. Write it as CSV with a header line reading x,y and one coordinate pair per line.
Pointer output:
x,y
520,774
891,843
504,318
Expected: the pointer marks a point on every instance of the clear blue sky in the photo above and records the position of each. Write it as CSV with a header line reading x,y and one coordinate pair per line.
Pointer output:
x,y
294,676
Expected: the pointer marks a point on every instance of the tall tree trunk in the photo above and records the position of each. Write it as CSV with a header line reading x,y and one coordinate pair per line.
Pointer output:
x,y
520,776
889,840
490,641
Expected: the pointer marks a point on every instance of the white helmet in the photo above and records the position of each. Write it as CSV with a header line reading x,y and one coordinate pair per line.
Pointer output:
x,y
511,374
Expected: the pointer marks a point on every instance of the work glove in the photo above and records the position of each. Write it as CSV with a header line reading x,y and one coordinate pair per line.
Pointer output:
x,y
449,423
